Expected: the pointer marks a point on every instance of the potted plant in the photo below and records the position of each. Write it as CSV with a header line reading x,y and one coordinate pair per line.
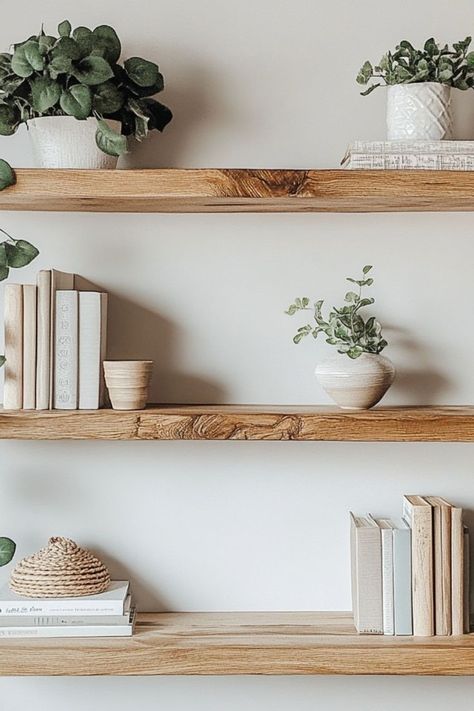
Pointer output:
x,y
419,85
78,101
358,376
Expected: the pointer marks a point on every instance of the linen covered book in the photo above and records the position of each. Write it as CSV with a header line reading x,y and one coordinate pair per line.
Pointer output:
x,y
410,155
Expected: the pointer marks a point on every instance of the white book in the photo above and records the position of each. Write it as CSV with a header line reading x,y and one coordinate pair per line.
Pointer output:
x,y
467,577
418,515
59,620
110,602
92,344
410,161
43,330
412,147
366,558
60,281
29,346
66,351
386,534
69,631
13,370
402,596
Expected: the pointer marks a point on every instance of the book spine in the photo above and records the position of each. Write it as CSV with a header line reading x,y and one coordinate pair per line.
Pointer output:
x,y
420,520
89,349
104,308
387,580
412,147
29,347
402,597
446,568
429,161
466,586
60,620
43,335
13,321
65,631
66,351
457,571
368,613
54,608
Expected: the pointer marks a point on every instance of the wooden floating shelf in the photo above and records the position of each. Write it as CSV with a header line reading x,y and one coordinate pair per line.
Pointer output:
x,y
241,422
240,643
240,190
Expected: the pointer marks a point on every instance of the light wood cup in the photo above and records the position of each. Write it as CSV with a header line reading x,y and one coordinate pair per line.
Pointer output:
x,y
128,383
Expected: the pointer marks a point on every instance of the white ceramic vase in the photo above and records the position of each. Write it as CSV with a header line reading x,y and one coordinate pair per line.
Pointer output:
x,y
419,112
65,142
356,384
128,382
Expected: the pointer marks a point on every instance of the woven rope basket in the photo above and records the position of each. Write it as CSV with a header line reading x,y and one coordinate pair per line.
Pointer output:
x,y
61,569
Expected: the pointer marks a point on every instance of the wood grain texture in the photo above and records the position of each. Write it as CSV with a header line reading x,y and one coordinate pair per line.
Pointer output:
x,y
240,643
240,422
239,190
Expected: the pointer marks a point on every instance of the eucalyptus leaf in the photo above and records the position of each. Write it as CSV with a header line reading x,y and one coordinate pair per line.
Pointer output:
x,y
2,357
7,176
7,550
20,253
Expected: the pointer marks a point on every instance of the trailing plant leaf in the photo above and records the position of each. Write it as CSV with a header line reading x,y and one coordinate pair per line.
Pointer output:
x,y
107,99
9,120
7,176
109,141
7,547
77,101
142,72
19,253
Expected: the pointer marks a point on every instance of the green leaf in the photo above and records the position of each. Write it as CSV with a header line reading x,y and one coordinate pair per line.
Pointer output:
x,y
45,94
64,28
9,120
110,142
92,71
367,269
351,296
59,65
2,360
365,73
20,253
299,336
160,115
107,99
141,71
83,39
7,176
67,47
370,89
470,59
45,43
7,549
33,56
20,64
291,310
77,101
106,43
369,282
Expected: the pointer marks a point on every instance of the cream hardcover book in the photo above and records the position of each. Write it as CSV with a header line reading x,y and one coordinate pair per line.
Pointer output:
x,y
13,370
442,563
418,514
29,346
366,557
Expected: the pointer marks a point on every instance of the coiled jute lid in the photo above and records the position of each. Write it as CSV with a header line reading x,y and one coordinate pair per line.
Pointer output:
x,y
61,569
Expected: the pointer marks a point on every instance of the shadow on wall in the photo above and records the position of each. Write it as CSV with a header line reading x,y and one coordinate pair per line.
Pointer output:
x,y
463,114
424,385
137,333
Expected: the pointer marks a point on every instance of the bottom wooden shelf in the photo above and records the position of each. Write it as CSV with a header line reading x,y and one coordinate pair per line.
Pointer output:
x,y
240,643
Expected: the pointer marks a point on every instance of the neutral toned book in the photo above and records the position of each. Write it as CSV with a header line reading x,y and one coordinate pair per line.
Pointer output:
x,y
69,631
467,584
457,571
410,155
402,594
43,333
66,351
418,514
29,346
60,281
442,563
366,557
13,370
386,533
92,347
70,620
412,147
110,602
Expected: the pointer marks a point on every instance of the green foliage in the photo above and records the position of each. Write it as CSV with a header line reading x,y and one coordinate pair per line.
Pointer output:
x,y
407,65
344,328
7,550
78,74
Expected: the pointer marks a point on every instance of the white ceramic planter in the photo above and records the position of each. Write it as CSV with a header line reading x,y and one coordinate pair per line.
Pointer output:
x,y
65,142
419,112
356,384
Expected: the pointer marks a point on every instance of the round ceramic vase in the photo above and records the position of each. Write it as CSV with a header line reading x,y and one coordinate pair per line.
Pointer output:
x,y
65,142
128,383
356,384
419,112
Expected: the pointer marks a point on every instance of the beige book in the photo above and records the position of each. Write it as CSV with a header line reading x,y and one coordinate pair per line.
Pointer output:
x,y
13,323
442,563
418,514
467,586
29,346
366,559
60,281
457,570
43,334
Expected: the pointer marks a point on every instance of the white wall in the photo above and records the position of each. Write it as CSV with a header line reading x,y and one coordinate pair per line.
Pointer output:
x,y
203,526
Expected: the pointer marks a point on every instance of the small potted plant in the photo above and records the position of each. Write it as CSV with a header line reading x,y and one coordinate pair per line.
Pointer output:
x,y
419,85
78,101
358,376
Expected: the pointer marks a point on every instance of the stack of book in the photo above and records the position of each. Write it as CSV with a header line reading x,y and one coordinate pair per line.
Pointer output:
x,y
110,614
55,342
410,155
411,575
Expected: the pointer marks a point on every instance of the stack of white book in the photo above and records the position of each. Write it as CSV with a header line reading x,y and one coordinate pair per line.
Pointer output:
x,y
411,575
55,342
110,614
410,155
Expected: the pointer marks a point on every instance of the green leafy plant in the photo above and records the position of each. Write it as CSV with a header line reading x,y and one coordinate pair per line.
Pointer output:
x,y
78,74
344,328
7,550
407,65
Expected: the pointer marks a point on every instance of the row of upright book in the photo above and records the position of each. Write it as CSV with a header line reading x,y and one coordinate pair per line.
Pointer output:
x,y
108,614
410,576
409,155
55,343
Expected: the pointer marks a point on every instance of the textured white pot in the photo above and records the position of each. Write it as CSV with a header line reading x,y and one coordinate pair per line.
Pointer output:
x,y
356,384
65,142
419,112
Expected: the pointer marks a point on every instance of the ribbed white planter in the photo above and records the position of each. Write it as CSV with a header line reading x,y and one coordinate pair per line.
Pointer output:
x,y
65,142
356,384
419,112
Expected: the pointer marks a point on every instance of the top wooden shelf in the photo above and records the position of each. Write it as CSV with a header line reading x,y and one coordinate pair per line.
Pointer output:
x,y
239,190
